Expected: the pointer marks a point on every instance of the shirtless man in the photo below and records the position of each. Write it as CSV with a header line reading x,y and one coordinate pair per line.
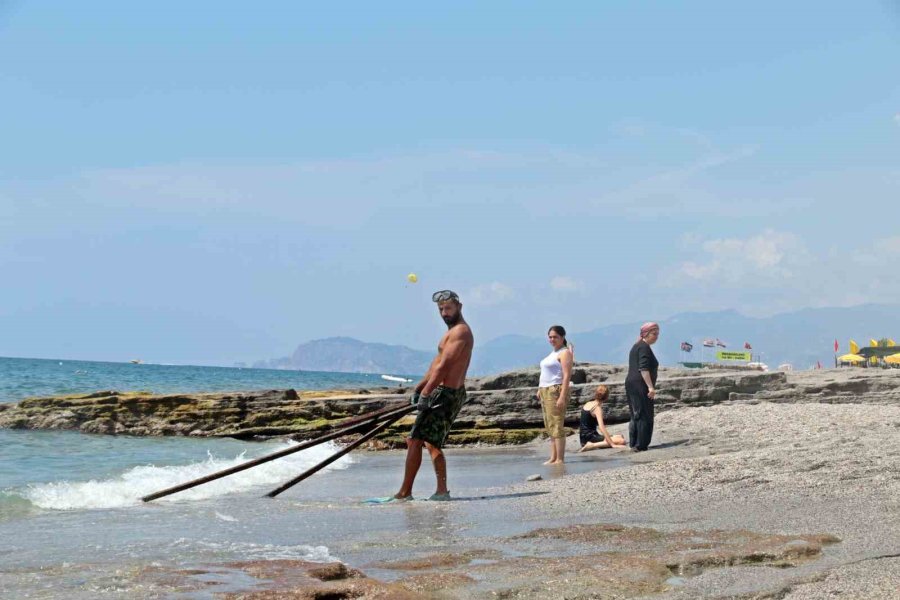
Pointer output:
x,y
442,387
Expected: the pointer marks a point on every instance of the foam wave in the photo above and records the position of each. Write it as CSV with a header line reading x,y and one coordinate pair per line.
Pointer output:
x,y
251,551
128,488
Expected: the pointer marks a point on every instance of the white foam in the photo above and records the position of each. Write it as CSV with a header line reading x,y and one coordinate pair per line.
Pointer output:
x,y
128,488
251,551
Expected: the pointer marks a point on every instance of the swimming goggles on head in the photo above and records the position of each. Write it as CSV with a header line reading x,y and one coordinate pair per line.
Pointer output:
x,y
444,296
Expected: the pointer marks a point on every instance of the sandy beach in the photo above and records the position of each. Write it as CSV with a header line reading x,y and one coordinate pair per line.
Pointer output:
x,y
788,491
769,468
749,501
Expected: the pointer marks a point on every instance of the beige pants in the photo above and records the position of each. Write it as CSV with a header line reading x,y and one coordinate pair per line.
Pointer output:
x,y
553,416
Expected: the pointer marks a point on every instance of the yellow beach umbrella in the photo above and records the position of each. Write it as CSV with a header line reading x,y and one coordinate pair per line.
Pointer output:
x,y
893,359
853,358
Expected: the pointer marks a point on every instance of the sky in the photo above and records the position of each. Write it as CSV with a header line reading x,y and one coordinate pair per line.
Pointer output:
x,y
212,182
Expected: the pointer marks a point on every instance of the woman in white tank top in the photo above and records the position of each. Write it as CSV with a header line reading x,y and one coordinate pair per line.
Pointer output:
x,y
553,391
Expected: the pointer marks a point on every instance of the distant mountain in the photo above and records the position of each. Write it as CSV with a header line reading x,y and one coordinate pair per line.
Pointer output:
x,y
352,356
508,352
800,338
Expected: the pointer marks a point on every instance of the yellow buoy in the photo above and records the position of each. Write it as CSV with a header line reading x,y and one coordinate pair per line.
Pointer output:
x,y
412,278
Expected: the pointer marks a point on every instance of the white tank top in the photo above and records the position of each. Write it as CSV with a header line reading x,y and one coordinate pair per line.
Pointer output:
x,y
551,369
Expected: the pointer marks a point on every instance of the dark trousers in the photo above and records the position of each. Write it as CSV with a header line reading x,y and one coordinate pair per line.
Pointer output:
x,y
640,427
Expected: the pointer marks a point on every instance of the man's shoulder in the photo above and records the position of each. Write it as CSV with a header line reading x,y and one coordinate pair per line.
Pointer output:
x,y
461,331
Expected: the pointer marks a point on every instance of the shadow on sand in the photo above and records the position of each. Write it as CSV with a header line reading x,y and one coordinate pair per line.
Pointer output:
x,y
498,496
671,444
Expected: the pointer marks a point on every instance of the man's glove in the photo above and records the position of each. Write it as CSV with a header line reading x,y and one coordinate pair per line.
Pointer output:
x,y
414,399
425,402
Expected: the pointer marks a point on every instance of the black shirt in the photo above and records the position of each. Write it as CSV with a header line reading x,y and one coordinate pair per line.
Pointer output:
x,y
641,358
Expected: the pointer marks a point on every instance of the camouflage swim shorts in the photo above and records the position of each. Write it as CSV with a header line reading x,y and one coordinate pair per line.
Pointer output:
x,y
433,424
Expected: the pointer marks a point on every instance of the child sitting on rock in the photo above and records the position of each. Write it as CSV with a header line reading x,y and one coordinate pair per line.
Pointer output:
x,y
592,431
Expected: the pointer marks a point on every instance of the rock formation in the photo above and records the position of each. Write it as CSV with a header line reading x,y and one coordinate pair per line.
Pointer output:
x,y
502,409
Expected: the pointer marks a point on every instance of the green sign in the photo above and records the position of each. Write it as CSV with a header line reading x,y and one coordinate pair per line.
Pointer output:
x,y
723,355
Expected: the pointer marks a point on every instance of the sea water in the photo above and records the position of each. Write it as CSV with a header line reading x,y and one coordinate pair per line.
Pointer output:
x,y
72,524
25,377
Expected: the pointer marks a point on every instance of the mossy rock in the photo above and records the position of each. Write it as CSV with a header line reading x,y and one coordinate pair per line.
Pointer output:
x,y
395,437
493,436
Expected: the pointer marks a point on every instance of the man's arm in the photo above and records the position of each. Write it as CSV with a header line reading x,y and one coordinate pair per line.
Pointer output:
x,y
454,351
421,385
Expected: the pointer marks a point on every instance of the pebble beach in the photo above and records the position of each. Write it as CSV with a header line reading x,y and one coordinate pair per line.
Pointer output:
x,y
774,468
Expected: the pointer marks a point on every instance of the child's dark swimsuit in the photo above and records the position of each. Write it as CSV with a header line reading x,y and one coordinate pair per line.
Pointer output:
x,y
587,430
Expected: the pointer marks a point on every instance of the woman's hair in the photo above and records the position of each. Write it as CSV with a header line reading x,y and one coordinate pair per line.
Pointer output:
x,y
560,331
601,394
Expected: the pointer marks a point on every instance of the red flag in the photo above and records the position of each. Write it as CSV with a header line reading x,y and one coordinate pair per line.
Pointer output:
x,y
747,346
836,346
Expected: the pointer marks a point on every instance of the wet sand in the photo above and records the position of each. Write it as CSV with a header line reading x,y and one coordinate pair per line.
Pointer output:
x,y
796,501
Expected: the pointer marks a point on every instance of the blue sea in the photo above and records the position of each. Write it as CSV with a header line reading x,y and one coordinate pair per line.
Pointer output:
x,y
72,524
26,377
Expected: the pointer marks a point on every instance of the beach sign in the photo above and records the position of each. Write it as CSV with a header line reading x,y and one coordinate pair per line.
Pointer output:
x,y
727,355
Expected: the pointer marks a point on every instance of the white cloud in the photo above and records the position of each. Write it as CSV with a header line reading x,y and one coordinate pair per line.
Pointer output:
x,y
775,271
488,294
637,128
889,245
770,254
564,283
345,193
682,188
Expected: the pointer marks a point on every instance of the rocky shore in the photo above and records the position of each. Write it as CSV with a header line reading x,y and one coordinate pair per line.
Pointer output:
x,y
502,409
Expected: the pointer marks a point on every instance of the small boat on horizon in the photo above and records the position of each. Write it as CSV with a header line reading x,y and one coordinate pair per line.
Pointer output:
x,y
395,378
136,361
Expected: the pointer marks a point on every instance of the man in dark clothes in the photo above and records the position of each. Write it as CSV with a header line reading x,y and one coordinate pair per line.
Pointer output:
x,y
640,387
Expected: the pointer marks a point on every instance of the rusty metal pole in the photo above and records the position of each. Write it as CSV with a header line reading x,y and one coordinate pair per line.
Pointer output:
x,y
357,426
340,453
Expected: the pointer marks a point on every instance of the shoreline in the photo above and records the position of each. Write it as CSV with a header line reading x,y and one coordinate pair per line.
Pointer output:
x,y
742,500
703,514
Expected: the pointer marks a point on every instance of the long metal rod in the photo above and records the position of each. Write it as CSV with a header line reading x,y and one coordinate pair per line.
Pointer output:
x,y
371,419
340,453
368,416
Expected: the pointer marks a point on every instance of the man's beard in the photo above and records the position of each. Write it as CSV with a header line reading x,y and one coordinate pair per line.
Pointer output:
x,y
451,321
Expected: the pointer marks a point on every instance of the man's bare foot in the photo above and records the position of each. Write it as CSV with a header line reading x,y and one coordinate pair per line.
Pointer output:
x,y
556,462
549,461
